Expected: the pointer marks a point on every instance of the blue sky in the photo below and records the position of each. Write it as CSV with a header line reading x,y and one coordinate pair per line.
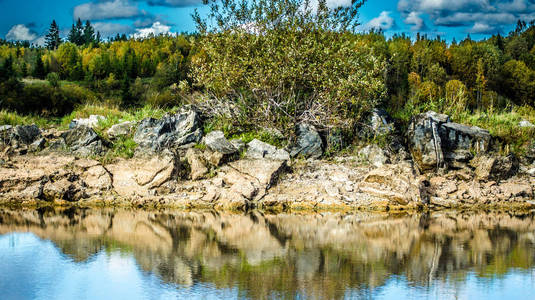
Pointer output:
x,y
29,19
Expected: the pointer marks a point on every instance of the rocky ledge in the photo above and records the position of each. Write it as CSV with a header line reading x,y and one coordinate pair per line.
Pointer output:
x,y
435,164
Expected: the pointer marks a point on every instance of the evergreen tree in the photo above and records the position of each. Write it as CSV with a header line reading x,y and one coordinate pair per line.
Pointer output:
x,y
52,38
39,71
88,34
98,39
76,35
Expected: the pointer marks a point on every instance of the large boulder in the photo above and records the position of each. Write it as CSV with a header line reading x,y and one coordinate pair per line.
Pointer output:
x,y
170,132
84,141
90,122
20,135
435,142
308,144
259,150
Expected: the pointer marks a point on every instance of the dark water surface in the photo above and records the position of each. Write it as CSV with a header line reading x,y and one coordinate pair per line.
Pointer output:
x,y
125,254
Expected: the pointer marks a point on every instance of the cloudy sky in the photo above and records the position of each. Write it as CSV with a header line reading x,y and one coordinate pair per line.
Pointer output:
x,y
29,19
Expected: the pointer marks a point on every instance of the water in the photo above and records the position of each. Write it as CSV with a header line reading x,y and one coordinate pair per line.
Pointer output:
x,y
126,254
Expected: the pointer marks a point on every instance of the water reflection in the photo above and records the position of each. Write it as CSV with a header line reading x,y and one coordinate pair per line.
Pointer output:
x,y
329,256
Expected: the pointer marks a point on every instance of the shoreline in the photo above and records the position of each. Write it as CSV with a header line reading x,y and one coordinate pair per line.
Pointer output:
x,y
46,179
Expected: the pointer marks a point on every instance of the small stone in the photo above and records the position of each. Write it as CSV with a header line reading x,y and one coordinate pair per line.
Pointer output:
x,y
217,142
120,129
525,123
90,122
259,150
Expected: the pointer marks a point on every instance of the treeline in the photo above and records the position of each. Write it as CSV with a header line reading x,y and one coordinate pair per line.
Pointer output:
x,y
291,72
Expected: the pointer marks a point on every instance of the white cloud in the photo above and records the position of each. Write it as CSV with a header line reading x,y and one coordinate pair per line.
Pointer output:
x,y
113,9
384,21
482,28
20,32
477,16
111,29
156,29
415,20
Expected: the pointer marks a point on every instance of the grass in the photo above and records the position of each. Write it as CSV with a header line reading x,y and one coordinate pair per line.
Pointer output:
x,y
504,125
13,118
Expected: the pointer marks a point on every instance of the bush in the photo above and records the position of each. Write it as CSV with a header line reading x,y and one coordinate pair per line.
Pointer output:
x,y
53,79
307,67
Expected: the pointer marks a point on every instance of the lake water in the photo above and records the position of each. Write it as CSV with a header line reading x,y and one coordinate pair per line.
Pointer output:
x,y
127,254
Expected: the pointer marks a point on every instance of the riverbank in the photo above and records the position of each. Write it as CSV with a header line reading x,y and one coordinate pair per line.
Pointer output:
x,y
436,164
342,184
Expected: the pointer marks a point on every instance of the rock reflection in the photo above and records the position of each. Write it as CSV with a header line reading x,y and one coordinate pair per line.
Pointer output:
x,y
319,256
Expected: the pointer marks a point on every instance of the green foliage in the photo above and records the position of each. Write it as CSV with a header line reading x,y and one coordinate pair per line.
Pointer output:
x,y
13,119
53,79
292,65
52,39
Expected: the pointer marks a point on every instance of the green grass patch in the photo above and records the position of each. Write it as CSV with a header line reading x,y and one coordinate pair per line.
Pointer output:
x,y
13,118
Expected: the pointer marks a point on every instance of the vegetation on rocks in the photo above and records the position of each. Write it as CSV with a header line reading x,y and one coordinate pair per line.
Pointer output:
x,y
274,64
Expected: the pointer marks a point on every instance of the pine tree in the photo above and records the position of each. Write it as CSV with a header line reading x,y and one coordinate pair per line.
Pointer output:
x,y
76,35
98,38
88,33
39,71
52,38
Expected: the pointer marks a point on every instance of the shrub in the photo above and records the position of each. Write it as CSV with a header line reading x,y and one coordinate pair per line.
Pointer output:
x,y
290,62
53,79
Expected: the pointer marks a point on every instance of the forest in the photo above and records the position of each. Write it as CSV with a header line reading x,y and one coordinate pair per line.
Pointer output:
x,y
310,67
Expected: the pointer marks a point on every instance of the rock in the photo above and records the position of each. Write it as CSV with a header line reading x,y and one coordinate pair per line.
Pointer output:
x,y
171,132
84,141
393,182
38,145
266,172
140,176
259,150
435,142
213,158
196,163
510,189
238,144
374,155
20,135
244,188
121,129
90,122
531,172
98,178
380,122
309,143
525,123
217,142
494,167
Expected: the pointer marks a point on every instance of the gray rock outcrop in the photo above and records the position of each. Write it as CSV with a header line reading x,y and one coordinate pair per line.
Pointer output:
x,y
170,132
308,144
20,135
435,142
84,141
